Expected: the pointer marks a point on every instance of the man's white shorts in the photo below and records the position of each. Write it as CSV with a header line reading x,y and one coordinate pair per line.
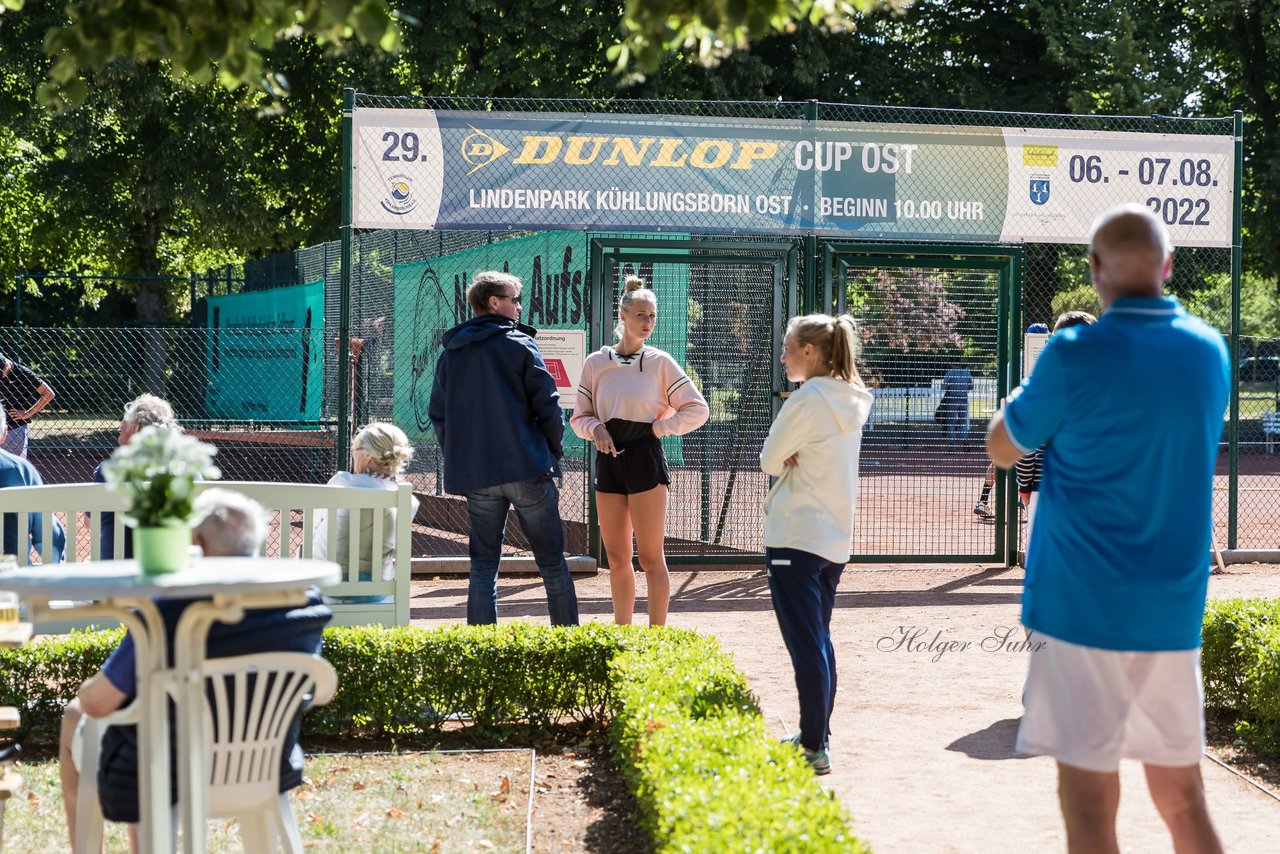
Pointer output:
x,y
1089,707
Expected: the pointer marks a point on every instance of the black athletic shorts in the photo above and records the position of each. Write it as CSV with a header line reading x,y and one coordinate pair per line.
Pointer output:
x,y
639,468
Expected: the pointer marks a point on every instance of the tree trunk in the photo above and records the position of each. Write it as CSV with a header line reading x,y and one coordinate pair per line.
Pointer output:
x,y
150,301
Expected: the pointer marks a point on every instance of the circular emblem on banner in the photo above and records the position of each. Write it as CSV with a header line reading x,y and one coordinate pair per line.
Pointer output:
x,y
399,199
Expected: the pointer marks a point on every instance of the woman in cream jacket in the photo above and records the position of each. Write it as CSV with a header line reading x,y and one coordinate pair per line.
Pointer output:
x,y
812,449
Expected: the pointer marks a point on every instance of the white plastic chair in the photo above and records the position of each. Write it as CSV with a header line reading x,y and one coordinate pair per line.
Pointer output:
x,y
244,738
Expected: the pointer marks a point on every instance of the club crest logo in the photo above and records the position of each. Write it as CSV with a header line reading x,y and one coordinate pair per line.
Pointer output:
x,y
1039,189
399,199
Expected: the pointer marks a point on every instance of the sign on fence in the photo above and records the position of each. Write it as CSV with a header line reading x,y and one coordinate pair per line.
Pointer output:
x,y
265,358
564,351
425,169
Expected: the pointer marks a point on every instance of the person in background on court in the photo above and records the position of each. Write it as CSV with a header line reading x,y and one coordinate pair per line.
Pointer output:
x,y
812,449
145,410
1116,575
16,471
953,407
983,509
379,454
234,525
1028,467
22,396
496,413
625,410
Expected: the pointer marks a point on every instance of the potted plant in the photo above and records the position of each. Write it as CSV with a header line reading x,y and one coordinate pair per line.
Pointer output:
x,y
158,471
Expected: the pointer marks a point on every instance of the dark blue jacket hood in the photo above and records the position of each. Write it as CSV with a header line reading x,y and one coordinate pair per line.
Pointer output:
x,y
482,328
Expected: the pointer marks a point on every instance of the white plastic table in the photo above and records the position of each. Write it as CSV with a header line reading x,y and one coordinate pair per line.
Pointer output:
x,y
118,589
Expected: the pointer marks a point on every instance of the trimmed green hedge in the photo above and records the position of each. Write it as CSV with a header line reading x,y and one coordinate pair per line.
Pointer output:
x,y
686,731
40,677
1241,664
691,742
412,681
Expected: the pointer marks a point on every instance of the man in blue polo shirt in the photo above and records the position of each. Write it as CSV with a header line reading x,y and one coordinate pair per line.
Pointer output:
x,y
1131,411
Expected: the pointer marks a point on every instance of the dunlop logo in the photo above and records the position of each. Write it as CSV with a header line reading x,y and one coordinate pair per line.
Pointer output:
x,y
479,149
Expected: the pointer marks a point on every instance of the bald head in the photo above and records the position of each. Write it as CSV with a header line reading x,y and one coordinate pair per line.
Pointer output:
x,y
1129,254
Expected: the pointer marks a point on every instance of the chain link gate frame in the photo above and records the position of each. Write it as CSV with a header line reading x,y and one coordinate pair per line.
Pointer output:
x,y
775,262
840,260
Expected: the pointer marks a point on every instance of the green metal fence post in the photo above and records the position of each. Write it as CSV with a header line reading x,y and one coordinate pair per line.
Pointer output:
x,y
1233,424
344,289
810,301
1003,325
1009,486
595,338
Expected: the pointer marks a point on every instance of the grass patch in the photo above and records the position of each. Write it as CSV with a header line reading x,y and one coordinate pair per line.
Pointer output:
x,y
380,802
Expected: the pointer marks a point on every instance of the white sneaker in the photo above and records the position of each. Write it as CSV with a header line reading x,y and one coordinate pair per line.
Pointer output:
x,y
980,509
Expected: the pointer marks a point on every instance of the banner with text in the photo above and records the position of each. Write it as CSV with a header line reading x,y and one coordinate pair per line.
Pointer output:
x,y
265,357
425,169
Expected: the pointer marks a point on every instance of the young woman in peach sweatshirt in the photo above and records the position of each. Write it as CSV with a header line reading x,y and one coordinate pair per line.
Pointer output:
x,y
629,396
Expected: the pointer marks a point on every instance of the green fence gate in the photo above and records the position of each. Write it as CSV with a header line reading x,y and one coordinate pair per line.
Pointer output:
x,y
930,315
722,305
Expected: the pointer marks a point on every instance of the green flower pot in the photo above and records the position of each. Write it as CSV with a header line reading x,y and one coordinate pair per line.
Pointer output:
x,y
161,550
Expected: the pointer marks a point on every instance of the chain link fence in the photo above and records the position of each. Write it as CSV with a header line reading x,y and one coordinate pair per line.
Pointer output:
x,y
1258,493
930,355
931,319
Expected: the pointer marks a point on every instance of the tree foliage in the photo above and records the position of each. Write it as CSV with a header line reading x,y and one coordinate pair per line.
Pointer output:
x,y
709,30
151,175
198,40
1236,49
156,172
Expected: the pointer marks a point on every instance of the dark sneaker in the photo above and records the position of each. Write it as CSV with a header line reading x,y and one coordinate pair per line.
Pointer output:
x,y
819,761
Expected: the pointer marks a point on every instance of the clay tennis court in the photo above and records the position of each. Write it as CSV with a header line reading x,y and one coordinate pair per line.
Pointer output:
x,y
915,496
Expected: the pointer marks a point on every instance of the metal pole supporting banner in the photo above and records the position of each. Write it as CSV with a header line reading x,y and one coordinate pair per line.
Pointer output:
x,y
344,288
1004,324
809,300
1233,423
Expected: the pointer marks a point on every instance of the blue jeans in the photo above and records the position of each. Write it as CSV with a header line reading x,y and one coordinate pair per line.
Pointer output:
x,y
803,586
537,505
16,442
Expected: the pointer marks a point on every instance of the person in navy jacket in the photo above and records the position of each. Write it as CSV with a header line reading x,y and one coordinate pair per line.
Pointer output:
x,y
496,414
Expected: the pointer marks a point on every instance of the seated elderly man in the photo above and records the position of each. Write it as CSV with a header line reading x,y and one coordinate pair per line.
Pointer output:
x,y
233,525
17,471
145,410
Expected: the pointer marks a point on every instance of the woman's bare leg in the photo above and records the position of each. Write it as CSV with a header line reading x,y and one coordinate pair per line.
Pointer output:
x,y
649,519
615,532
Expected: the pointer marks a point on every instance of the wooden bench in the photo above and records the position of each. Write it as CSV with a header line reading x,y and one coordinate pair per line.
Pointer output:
x,y
290,504
1270,428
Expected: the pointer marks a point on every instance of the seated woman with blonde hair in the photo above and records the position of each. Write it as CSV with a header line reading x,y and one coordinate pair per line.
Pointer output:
x,y
379,455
